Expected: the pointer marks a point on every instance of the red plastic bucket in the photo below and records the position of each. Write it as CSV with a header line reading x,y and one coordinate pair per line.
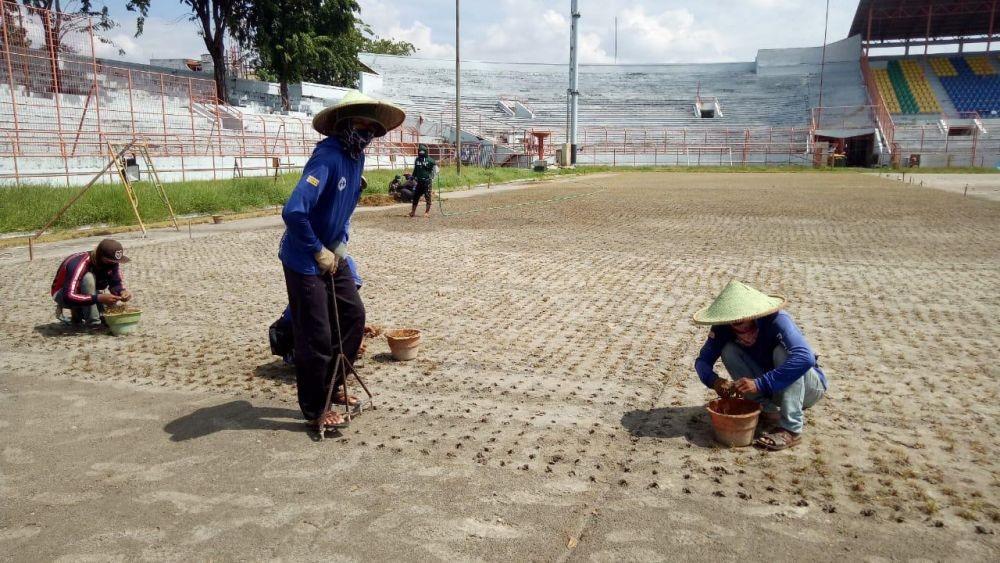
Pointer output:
x,y
734,420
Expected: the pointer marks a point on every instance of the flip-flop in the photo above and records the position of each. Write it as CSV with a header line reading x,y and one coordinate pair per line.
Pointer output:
x,y
778,440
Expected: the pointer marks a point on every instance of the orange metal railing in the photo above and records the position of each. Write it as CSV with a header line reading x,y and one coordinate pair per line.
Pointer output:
x,y
882,116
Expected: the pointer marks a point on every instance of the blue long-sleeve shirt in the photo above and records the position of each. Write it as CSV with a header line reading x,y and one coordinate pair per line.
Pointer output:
x,y
773,330
318,212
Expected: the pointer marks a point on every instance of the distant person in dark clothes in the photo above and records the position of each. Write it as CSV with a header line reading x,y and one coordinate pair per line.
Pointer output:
x,y
766,354
314,248
87,282
401,188
423,172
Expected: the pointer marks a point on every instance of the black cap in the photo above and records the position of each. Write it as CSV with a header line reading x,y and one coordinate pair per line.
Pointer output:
x,y
111,251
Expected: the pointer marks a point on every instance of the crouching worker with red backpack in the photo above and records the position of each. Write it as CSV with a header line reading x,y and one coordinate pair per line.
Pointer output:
x,y
87,282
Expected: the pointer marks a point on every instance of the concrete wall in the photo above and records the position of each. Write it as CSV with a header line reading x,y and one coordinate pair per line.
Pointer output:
x,y
369,83
798,61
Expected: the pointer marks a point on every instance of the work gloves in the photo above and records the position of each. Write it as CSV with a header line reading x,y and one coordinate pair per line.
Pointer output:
x,y
326,261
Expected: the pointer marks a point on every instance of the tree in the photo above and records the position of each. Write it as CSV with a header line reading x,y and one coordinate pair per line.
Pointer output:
x,y
313,40
217,17
292,37
343,70
372,43
65,19
60,19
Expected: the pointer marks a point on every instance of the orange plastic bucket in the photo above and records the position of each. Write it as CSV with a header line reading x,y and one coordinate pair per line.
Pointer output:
x,y
734,420
403,343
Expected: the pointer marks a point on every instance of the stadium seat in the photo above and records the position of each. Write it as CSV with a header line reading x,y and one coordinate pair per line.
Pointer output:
x,y
911,88
884,85
974,86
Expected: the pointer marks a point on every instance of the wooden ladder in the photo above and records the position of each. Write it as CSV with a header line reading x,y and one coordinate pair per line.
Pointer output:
x,y
140,148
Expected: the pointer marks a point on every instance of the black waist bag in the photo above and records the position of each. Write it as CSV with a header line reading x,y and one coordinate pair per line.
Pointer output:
x,y
280,335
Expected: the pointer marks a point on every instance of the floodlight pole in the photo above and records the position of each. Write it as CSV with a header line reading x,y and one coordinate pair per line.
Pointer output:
x,y
822,65
458,91
574,72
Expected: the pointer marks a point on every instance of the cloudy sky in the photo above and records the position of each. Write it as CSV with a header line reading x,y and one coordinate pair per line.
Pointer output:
x,y
538,30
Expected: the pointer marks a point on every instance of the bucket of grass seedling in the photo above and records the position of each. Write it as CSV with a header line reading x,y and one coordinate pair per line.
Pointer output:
x,y
734,420
403,343
122,320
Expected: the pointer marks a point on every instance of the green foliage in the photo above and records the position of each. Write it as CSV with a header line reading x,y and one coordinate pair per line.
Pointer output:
x,y
293,38
310,40
368,42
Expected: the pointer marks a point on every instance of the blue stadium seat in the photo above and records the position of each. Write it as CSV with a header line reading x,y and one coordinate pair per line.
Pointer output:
x,y
972,92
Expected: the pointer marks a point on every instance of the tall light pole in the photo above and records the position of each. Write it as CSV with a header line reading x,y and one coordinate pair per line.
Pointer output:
x,y
574,71
458,90
822,63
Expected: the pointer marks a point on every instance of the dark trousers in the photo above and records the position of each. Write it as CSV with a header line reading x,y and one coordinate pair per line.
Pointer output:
x,y
311,301
423,190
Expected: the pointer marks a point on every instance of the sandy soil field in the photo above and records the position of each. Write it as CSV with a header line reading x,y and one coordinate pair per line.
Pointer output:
x,y
553,413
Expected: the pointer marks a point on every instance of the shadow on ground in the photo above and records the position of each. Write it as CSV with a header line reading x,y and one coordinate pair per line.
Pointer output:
x,y
691,423
277,370
60,329
383,358
235,415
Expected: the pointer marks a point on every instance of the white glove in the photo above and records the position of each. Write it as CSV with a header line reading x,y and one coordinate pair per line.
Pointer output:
x,y
327,261
341,251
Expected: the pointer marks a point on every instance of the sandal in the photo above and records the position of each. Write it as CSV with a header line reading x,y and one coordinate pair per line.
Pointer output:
x,y
780,439
768,421
329,419
352,401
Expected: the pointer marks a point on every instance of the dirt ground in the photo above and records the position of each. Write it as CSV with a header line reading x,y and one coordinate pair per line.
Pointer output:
x,y
554,412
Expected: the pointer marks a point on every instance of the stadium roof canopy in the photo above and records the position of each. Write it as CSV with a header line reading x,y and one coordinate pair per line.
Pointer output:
x,y
887,23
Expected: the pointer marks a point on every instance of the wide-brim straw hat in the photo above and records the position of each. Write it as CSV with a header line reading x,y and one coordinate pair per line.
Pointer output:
x,y
355,104
738,302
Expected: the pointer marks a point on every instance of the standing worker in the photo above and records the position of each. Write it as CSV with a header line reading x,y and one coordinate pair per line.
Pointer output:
x,y
314,248
424,170
81,279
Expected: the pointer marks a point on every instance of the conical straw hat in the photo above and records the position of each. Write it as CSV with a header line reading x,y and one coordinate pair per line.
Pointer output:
x,y
356,104
738,302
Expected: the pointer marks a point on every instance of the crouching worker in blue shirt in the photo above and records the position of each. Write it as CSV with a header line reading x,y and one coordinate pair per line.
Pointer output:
x,y
767,356
314,248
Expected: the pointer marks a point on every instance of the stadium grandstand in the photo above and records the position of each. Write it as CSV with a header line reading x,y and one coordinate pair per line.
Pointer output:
x,y
61,105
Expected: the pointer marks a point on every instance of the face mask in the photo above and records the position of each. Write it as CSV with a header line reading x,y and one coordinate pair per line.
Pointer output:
x,y
355,140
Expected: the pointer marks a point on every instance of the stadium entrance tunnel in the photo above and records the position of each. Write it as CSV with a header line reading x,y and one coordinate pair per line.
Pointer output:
x,y
844,150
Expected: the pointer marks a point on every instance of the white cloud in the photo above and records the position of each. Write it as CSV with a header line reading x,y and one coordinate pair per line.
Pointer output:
x,y
668,36
649,31
385,19
420,35
161,39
